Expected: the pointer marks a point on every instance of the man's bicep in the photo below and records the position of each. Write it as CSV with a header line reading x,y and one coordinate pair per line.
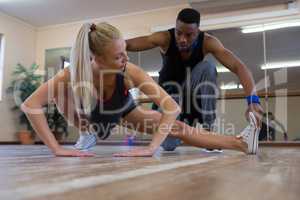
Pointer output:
x,y
223,55
140,43
159,39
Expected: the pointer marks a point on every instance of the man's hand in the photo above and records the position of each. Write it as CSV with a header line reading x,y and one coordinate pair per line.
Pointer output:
x,y
61,152
257,111
137,152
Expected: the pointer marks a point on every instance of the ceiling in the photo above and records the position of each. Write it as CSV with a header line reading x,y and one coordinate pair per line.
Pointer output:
x,y
41,13
217,6
50,12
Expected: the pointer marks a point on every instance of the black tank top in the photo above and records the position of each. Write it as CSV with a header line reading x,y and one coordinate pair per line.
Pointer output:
x,y
106,114
174,68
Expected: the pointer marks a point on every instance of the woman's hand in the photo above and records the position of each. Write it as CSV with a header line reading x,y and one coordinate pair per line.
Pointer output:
x,y
137,152
61,152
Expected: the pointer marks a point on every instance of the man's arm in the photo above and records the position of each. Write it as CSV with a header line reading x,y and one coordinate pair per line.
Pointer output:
x,y
158,39
229,60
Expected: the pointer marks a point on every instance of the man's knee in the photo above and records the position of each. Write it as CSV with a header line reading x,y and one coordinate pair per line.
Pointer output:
x,y
203,74
174,139
206,68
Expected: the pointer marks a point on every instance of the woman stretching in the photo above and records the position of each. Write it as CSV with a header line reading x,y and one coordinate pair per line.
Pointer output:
x,y
93,95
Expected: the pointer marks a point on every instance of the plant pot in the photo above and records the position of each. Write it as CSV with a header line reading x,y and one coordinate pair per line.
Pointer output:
x,y
25,137
59,137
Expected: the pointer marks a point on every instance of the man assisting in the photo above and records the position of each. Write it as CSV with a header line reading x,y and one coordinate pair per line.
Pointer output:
x,y
185,73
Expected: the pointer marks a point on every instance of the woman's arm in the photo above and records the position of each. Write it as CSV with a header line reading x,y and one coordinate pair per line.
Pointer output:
x,y
33,108
170,109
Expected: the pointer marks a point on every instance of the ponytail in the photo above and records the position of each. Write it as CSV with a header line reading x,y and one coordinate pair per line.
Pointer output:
x,y
81,71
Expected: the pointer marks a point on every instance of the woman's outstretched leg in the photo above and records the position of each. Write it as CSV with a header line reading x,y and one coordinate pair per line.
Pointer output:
x,y
204,139
194,136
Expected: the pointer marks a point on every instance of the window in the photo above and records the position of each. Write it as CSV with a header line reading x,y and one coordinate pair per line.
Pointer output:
x,y
1,63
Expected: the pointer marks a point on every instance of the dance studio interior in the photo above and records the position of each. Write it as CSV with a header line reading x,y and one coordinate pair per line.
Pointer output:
x,y
37,39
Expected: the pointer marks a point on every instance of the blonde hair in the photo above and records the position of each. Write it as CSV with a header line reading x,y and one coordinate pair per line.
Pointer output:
x,y
93,39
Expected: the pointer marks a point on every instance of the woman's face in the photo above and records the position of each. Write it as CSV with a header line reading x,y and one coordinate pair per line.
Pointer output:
x,y
114,57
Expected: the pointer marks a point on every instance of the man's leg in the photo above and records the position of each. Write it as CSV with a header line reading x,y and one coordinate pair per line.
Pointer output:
x,y
203,90
199,102
170,143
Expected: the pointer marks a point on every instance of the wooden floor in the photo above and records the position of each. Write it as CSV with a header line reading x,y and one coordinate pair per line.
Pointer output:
x,y
31,172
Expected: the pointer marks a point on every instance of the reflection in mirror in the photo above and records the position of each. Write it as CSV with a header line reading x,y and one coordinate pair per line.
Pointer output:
x,y
56,59
150,61
282,70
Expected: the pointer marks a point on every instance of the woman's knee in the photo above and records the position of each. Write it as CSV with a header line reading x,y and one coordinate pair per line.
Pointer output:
x,y
179,129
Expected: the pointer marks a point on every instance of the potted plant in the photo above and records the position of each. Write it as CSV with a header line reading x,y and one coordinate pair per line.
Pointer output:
x,y
24,82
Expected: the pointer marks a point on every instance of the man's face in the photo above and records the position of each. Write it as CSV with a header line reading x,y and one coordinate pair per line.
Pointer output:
x,y
185,35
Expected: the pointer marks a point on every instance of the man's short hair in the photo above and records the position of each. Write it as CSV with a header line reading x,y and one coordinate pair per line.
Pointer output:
x,y
189,16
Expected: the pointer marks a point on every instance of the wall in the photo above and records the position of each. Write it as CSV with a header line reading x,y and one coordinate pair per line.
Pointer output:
x,y
20,46
130,25
25,44
141,24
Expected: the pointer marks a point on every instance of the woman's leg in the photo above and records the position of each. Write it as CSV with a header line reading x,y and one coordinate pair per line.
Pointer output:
x,y
144,120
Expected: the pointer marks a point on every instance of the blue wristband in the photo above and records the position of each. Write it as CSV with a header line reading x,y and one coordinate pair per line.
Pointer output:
x,y
252,99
